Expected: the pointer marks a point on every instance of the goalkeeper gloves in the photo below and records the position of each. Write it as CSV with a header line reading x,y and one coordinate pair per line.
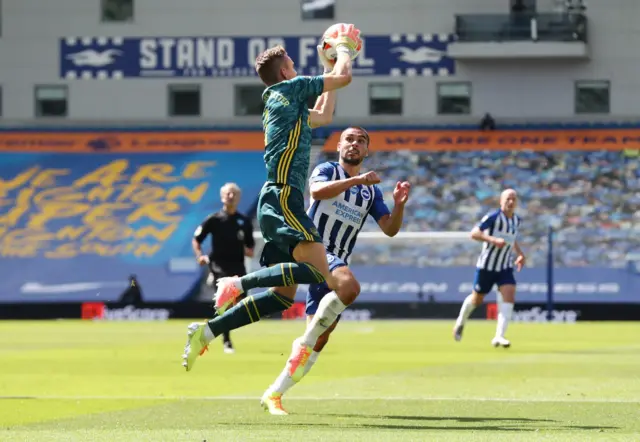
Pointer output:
x,y
347,41
328,64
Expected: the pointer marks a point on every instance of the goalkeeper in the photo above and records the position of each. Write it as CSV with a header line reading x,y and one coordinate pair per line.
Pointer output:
x,y
293,248
341,199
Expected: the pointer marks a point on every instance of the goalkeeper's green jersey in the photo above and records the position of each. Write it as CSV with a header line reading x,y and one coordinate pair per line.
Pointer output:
x,y
287,133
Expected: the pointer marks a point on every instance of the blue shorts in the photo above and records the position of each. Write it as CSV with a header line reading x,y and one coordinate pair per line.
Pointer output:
x,y
485,280
317,291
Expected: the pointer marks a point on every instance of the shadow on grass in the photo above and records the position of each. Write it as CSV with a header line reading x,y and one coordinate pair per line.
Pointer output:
x,y
285,423
442,418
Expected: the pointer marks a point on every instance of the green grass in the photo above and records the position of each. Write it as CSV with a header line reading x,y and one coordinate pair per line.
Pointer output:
x,y
376,381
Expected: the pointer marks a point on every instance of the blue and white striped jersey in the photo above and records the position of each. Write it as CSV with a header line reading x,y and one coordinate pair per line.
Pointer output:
x,y
497,224
340,219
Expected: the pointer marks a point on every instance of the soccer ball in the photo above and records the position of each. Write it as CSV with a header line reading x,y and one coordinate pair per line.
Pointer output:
x,y
332,32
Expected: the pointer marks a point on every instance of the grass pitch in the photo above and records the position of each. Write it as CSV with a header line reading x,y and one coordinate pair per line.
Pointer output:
x,y
376,381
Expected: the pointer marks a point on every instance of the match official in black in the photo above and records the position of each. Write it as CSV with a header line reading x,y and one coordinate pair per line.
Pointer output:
x,y
231,240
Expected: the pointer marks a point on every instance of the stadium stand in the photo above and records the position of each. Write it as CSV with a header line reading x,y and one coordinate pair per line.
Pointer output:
x,y
592,198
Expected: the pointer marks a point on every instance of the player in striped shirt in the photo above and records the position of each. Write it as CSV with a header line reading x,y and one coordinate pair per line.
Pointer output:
x,y
341,200
498,232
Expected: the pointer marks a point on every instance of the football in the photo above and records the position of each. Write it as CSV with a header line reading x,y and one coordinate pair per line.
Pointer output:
x,y
332,32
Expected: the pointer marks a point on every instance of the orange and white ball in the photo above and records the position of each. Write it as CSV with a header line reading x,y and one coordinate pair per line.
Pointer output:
x,y
332,32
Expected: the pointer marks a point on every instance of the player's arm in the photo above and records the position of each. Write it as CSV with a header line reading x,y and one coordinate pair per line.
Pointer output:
x,y
520,258
201,233
322,112
249,242
390,223
478,232
341,75
324,190
322,186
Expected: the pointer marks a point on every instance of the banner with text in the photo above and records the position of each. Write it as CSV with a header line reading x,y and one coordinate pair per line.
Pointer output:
x,y
397,283
583,139
76,227
129,141
214,56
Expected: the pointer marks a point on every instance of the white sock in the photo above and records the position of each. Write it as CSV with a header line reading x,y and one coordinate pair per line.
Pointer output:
x,y
466,310
208,334
328,310
312,360
238,283
284,382
504,315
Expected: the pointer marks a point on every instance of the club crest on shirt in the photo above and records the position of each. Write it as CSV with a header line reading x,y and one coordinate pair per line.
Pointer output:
x,y
366,195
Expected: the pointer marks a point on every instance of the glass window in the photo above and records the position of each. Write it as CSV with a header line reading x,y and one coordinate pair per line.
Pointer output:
x,y
454,98
317,9
592,97
51,101
117,10
184,100
385,99
248,101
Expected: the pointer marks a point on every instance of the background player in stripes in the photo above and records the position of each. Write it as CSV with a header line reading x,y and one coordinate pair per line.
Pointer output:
x,y
498,231
341,200
293,251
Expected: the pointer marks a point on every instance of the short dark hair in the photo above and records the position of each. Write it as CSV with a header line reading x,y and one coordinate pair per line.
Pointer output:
x,y
268,65
362,129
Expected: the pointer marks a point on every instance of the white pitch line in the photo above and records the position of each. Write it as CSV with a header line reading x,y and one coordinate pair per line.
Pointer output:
x,y
337,398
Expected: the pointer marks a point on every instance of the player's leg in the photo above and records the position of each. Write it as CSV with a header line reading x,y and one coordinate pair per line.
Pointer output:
x,y
332,304
329,309
285,224
507,289
272,397
482,285
249,310
214,276
322,341
252,308
226,336
314,295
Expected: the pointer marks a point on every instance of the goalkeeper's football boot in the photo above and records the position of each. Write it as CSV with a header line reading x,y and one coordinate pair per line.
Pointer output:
x,y
500,342
272,403
196,344
226,294
457,332
299,358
